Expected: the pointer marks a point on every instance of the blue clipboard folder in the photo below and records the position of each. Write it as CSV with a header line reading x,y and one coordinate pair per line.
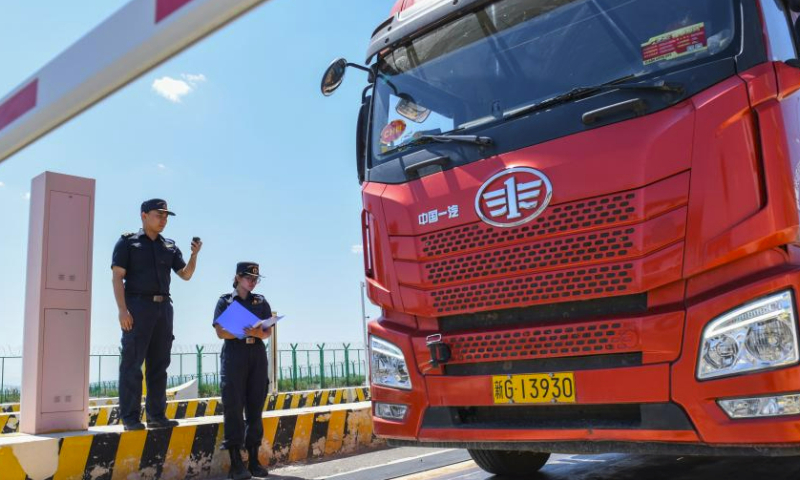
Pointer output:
x,y
236,318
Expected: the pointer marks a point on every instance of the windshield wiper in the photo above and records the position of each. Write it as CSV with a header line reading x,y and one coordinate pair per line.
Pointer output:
x,y
583,92
445,138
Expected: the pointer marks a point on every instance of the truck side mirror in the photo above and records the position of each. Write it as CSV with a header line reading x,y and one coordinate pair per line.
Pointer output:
x,y
362,131
333,76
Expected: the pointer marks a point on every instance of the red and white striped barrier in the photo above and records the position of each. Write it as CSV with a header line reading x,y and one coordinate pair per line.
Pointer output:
x,y
135,39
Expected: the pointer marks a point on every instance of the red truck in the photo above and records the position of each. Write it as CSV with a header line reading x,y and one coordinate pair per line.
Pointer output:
x,y
581,225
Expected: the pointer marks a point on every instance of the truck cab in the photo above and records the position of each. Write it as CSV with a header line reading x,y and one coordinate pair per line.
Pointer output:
x,y
581,225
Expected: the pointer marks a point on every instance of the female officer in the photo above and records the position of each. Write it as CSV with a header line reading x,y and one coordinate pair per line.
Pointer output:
x,y
244,374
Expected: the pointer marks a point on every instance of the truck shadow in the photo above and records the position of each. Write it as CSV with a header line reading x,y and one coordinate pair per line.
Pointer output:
x,y
653,467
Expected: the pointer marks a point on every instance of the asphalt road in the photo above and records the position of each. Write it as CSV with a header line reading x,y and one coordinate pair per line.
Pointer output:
x,y
438,464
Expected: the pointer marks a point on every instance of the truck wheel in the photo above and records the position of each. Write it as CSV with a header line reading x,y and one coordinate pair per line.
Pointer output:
x,y
509,462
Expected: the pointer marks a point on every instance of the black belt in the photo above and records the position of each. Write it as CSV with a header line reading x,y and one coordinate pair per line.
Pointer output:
x,y
150,298
246,340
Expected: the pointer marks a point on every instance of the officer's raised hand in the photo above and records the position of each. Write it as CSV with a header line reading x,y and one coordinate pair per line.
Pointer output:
x,y
186,272
197,244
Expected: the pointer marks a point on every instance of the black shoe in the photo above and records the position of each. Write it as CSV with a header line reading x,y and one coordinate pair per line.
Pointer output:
x,y
253,465
133,426
162,423
237,471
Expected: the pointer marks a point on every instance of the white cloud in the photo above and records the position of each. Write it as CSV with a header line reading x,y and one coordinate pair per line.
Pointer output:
x,y
26,195
2,184
357,248
161,166
173,89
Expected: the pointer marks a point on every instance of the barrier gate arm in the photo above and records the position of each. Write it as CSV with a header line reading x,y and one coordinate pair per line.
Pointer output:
x,y
135,39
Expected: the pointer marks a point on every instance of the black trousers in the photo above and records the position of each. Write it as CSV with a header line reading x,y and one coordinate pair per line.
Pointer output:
x,y
150,340
244,388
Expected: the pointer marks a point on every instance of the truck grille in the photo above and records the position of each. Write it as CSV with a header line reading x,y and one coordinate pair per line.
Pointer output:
x,y
572,340
616,306
552,286
552,253
620,244
646,416
559,219
520,343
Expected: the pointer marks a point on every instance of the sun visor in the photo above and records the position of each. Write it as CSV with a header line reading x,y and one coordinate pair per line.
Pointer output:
x,y
417,19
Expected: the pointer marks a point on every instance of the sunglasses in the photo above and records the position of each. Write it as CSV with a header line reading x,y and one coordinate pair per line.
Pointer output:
x,y
251,278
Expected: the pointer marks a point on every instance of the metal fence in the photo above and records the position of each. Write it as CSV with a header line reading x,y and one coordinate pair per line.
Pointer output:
x,y
300,367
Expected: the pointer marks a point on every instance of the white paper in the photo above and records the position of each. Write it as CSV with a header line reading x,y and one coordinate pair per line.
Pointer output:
x,y
268,322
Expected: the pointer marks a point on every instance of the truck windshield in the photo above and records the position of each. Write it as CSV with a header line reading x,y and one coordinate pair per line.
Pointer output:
x,y
512,53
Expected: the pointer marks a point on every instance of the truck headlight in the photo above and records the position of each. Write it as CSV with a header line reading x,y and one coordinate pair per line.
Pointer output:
x,y
387,365
390,411
756,336
774,406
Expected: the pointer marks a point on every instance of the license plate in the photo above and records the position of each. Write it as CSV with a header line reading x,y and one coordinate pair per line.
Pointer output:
x,y
534,388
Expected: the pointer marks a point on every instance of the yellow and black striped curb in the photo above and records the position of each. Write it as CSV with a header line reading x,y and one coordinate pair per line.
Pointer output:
x,y
316,398
189,451
205,407
9,407
9,422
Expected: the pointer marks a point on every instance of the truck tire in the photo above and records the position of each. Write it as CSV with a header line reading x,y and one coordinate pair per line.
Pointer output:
x,y
508,462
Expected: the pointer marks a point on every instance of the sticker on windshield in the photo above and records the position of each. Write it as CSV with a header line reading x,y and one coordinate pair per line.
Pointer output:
x,y
674,44
392,131
412,111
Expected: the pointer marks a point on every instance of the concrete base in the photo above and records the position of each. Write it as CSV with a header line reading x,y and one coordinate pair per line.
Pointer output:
x,y
189,451
186,391
108,412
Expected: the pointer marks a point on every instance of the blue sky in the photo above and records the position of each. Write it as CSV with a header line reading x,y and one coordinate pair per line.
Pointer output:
x,y
236,136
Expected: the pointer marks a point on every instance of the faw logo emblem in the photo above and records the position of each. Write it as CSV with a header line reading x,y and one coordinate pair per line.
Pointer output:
x,y
513,197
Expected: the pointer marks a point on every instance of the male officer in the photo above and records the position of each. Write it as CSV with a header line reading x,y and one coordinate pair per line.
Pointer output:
x,y
244,374
140,269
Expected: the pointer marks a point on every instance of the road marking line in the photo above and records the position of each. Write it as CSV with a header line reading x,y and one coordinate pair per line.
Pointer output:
x,y
448,470
399,460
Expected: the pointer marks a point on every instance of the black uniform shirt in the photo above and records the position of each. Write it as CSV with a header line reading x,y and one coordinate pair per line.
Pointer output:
x,y
147,263
255,303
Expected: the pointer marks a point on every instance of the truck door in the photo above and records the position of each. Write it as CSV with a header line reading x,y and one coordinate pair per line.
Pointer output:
x,y
782,26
